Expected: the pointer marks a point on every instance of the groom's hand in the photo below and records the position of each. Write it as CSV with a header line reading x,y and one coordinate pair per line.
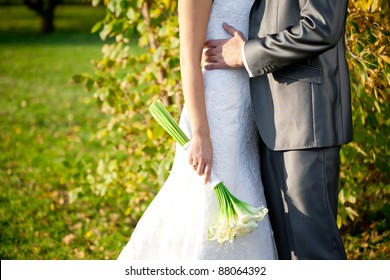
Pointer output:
x,y
224,53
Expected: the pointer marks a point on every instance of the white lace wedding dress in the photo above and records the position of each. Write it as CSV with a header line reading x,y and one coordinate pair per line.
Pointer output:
x,y
175,225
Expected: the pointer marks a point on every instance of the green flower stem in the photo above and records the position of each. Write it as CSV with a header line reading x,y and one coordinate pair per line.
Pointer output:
x,y
167,122
241,204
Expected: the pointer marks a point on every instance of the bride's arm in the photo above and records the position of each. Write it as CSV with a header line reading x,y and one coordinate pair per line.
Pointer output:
x,y
193,20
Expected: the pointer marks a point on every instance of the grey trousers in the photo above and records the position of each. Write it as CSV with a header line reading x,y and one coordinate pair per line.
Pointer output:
x,y
301,188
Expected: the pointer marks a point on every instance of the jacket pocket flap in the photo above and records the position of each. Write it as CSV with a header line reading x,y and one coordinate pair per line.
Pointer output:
x,y
299,72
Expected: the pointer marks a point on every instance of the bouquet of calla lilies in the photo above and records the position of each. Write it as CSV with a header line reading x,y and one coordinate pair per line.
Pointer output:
x,y
236,218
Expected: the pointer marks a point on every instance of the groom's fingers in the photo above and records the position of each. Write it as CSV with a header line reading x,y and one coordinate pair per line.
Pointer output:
x,y
211,59
217,43
210,52
231,30
215,65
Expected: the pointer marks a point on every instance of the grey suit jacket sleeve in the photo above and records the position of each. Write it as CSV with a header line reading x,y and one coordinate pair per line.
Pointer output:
x,y
320,28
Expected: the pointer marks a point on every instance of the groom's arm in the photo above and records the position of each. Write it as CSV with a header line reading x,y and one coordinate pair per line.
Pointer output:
x,y
320,28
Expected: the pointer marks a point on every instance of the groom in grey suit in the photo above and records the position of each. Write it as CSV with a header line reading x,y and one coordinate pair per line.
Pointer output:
x,y
295,56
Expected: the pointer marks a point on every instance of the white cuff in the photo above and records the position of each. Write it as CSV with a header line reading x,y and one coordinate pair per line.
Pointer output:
x,y
245,62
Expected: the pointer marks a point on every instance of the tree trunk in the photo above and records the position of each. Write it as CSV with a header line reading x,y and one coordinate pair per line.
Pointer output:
x,y
45,10
47,22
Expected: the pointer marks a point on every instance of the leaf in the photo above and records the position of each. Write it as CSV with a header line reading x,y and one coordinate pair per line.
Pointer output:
x,y
95,3
351,213
130,14
78,78
386,58
149,133
106,31
89,84
97,27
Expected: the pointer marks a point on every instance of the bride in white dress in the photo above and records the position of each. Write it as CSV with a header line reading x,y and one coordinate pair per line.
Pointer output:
x,y
175,225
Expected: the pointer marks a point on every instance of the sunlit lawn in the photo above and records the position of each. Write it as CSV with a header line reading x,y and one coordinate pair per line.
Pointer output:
x,y
46,136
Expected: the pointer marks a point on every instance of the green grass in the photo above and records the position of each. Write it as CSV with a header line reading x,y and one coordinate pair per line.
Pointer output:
x,y
46,134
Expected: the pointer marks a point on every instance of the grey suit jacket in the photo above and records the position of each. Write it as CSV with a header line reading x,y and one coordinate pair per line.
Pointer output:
x,y
300,90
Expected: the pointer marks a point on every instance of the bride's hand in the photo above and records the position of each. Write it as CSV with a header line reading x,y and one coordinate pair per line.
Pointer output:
x,y
200,156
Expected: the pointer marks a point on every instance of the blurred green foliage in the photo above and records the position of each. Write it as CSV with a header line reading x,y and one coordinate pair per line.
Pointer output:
x,y
365,188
